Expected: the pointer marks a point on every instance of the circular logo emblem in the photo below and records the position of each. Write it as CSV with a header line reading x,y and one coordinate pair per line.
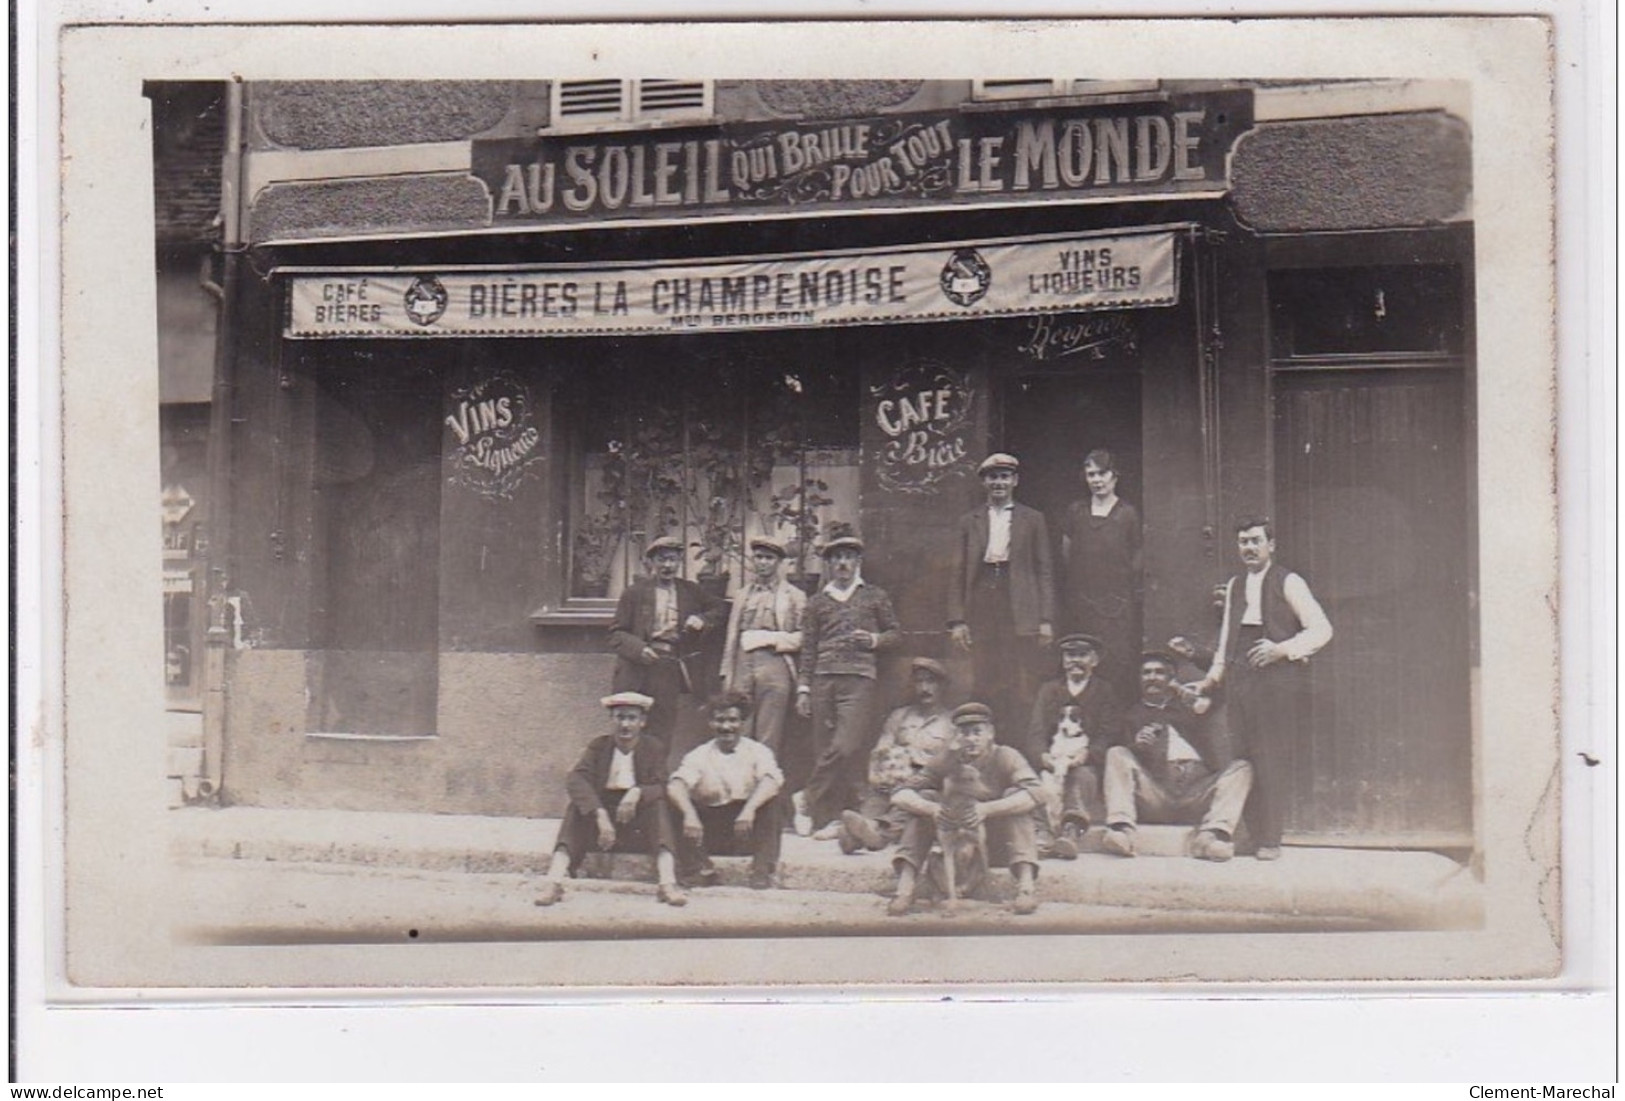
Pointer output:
x,y
426,300
966,277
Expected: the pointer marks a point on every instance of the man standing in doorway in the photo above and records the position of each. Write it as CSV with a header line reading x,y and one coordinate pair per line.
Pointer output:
x,y
658,624
763,638
847,623
1001,599
1272,626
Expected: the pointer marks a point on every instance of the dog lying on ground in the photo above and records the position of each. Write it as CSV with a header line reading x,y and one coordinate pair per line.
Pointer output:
x,y
958,862
1068,749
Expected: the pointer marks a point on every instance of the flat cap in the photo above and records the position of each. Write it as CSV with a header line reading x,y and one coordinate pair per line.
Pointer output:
x,y
627,699
999,461
772,546
1160,655
972,713
844,542
665,542
930,665
1081,642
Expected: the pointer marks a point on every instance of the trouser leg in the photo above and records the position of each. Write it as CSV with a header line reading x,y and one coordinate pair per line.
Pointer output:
x,y
1081,796
841,718
1267,711
1228,797
767,679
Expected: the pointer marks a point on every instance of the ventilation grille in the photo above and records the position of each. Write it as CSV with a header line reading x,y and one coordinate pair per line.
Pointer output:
x,y
586,101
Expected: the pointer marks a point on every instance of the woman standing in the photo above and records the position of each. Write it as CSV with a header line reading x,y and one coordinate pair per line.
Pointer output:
x,y
1101,547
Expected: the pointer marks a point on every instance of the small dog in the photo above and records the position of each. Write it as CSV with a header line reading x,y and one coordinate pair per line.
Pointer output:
x,y
1068,749
958,864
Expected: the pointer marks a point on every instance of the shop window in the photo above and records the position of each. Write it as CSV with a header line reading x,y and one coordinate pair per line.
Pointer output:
x,y
1410,311
179,670
582,102
713,451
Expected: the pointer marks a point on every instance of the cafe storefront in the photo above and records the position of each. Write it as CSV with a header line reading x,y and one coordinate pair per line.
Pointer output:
x,y
456,422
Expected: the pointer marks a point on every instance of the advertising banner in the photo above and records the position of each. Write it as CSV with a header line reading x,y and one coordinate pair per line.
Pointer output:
x,y
940,282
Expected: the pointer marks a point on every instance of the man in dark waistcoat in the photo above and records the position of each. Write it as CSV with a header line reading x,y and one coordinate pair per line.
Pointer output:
x,y
1272,626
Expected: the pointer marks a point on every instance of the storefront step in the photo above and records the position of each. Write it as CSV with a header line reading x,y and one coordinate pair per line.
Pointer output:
x,y
1386,888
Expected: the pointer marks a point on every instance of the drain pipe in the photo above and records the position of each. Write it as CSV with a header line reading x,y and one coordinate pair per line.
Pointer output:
x,y
222,609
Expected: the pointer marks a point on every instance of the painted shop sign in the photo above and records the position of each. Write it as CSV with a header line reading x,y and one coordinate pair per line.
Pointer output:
x,y
924,413
493,436
938,282
1165,147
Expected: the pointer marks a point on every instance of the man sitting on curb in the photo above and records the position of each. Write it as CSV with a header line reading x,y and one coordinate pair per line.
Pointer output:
x,y
913,736
1085,702
725,790
1007,795
616,803
1166,772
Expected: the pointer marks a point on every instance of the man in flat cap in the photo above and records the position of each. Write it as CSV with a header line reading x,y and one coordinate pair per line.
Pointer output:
x,y
617,796
848,622
1168,769
1001,596
762,641
659,622
912,736
1006,793
1080,704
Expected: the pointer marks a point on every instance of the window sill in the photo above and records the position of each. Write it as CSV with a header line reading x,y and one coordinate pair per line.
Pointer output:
x,y
340,736
576,613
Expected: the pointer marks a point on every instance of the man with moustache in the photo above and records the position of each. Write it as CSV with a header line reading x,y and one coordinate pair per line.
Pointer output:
x,y
848,623
1093,704
1272,626
912,736
725,792
658,623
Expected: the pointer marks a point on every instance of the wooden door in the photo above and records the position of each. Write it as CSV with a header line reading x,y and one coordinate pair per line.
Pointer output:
x,y
1374,500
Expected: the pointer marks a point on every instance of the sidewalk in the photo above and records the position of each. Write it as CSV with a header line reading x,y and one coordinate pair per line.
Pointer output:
x,y
1381,888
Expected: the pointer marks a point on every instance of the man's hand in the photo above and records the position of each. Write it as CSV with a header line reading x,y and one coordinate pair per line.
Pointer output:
x,y
694,623
1046,633
1146,736
745,823
972,817
804,704
1265,653
650,656
960,633
864,639
628,808
692,828
606,831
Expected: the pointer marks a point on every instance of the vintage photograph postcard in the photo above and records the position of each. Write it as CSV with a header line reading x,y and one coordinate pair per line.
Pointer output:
x,y
729,505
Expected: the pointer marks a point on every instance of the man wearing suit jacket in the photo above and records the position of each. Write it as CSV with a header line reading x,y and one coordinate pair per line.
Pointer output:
x,y
760,647
617,796
1001,600
1167,770
658,624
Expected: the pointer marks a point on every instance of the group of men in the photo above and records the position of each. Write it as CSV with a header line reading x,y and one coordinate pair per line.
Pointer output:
x,y
1074,754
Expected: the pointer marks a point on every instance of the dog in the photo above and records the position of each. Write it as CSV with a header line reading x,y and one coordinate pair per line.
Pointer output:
x,y
1068,749
958,862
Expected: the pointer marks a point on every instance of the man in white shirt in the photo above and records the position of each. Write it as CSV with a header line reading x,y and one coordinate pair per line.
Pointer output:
x,y
1001,594
1167,771
725,791
1272,626
762,641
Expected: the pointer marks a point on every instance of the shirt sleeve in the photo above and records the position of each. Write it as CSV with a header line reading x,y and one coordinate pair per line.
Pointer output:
x,y
689,770
1317,629
767,765
1019,774
1215,672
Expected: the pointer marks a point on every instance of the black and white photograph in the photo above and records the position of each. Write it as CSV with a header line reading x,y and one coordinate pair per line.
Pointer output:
x,y
636,514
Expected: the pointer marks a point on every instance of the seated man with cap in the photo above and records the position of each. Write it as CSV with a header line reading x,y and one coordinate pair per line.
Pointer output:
x,y
913,736
762,640
1006,795
617,802
1079,704
1167,770
659,621
1001,591
847,623
725,791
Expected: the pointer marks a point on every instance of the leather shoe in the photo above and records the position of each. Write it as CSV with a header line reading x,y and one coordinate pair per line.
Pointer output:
x,y
1268,852
900,905
847,842
705,876
863,830
827,833
671,895
1118,842
1209,846
1061,848
761,880
552,890
1026,903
